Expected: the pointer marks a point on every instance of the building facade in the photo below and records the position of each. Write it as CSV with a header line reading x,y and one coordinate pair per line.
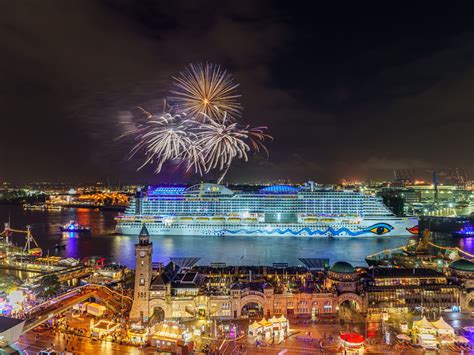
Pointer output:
x,y
409,290
177,293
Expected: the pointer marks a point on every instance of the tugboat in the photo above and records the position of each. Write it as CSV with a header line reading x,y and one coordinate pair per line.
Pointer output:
x,y
72,226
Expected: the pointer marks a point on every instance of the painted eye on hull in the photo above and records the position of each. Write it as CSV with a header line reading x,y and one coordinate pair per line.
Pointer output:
x,y
381,228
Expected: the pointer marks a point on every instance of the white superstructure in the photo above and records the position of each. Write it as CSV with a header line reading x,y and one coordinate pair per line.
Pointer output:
x,y
279,210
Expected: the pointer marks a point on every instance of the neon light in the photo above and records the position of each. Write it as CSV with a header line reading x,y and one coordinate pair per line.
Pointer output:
x,y
279,189
307,231
468,229
165,190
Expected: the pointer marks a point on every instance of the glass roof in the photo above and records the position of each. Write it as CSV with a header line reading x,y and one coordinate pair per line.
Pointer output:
x,y
279,189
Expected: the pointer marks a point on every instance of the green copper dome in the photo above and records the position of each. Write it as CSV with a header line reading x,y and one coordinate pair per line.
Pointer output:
x,y
342,267
462,265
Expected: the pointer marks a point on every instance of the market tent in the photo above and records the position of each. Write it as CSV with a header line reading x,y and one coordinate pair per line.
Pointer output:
x,y
423,326
254,326
10,329
461,339
352,339
442,327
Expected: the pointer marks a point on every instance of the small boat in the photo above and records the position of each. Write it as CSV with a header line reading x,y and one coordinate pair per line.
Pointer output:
x,y
51,207
60,246
467,230
75,227
34,207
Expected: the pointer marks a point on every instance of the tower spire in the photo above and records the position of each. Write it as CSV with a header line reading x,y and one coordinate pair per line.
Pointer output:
x,y
144,236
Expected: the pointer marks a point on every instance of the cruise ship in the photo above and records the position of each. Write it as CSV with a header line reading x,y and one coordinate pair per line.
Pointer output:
x,y
280,210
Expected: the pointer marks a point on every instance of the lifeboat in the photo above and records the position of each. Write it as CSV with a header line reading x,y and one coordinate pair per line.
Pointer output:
x,y
311,219
202,219
251,219
186,219
234,219
218,218
327,220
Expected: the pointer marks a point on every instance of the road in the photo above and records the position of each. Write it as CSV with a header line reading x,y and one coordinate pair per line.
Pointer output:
x,y
77,344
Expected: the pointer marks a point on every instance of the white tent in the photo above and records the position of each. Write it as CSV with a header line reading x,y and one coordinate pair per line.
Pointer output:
x,y
443,328
423,326
255,328
461,339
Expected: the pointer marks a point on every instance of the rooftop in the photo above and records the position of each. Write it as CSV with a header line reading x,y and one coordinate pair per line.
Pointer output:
x,y
462,265
342,267
7,323
385,272
279,189
165,190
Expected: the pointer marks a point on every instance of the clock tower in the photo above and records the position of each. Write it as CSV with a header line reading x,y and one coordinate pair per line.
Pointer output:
x,y
143,275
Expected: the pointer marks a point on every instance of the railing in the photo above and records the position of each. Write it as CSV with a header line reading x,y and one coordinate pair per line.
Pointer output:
x,y
51,307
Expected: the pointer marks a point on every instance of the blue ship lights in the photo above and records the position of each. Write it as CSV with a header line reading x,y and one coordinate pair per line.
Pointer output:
x,y
467,230
279,190
378,229
165,190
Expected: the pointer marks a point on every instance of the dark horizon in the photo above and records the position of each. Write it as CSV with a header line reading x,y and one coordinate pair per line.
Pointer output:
x,y
351,92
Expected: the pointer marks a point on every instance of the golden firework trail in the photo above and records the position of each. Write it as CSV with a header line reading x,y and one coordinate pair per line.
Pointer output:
x,y
205,89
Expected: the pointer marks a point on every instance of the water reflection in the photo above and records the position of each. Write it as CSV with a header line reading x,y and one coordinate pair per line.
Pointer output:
x,y
231,250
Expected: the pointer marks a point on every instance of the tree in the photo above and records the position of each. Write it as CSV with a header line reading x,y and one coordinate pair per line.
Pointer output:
x,y
49,285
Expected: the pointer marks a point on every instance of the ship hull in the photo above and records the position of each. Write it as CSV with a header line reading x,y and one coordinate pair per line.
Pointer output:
x,y
379,227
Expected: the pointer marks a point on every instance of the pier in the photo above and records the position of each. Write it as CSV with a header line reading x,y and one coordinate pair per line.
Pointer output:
x,y
113,300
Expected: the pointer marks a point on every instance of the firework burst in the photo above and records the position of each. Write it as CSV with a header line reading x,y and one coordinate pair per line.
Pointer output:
x,y
163,138
205,89
199,129
222,141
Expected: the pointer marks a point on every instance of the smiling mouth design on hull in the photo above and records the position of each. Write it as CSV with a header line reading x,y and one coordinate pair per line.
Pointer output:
x,y
414,230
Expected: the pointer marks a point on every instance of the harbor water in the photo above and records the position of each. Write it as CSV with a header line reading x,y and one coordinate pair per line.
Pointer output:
x,y
231,250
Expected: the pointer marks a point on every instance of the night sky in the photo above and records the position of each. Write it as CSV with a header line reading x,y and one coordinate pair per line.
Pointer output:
x,y
347,91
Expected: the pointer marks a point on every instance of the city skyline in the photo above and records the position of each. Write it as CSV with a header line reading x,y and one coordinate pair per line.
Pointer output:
x,y
352,96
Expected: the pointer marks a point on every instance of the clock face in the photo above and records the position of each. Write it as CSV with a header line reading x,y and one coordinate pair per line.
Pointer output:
x,y
142,254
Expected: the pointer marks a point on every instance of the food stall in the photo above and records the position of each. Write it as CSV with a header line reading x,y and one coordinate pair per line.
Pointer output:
x,y
352,343
103,329
168,337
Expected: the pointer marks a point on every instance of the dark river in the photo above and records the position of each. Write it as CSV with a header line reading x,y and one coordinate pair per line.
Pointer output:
x,y
231,250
